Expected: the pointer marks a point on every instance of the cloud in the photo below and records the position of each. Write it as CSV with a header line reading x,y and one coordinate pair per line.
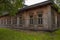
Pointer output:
x,y
31,2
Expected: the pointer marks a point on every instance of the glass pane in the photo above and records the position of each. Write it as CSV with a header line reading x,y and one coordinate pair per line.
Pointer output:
x,y
21,20
39,18
1,21
14,20
41,21
38,21
39,15
31,21
4,21
8,21
31,16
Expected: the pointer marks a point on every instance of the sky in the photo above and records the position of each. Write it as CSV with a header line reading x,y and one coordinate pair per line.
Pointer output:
x,y
31,2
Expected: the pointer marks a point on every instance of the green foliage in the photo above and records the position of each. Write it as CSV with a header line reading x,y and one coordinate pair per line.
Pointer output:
x,y
8,34
10,6
56,5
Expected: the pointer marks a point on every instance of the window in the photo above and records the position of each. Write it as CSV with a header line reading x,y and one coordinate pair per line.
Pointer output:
x,y
31,19
20,20
4,21
8,20
40,18
14,20
1,21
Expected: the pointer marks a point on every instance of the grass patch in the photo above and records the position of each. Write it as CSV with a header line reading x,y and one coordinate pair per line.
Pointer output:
x,y
8,34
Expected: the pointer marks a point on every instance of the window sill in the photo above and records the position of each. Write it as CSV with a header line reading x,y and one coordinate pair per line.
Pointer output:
x,y
40,25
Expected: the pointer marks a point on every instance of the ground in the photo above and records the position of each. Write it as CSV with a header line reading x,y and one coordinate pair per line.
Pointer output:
x,y
9,34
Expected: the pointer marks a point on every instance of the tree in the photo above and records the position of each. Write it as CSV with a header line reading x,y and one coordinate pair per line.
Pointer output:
x,y
10,6
56,4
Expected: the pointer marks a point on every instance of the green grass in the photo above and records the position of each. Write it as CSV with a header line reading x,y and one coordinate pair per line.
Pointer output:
x,y
8,34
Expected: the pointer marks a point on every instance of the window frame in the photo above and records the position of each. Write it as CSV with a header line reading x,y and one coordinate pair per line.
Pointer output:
x,y
21,19
40,19
31,20
14,20
8,21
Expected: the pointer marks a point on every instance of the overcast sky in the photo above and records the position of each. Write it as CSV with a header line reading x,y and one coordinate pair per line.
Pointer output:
x,y
31,2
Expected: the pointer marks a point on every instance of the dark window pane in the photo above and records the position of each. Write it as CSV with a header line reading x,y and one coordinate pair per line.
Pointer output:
x,y
20,17
1,21
38,21
31,19
39,18
14,20
41,21
21,20
8,21
4,21
31,16
39,15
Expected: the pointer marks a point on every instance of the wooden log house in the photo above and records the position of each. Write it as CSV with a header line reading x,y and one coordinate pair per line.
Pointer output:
x,y
40,16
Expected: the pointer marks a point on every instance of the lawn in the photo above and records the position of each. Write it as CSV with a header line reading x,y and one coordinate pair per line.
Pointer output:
x,y
8,34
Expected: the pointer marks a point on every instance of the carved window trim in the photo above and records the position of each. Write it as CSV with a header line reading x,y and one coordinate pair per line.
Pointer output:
x,y
31,18
40,17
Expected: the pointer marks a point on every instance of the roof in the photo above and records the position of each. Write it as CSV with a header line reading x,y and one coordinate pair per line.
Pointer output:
x,y
36,5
